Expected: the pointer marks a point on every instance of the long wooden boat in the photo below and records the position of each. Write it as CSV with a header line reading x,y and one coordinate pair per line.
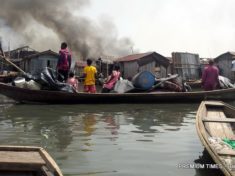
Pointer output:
x,y
215,122
25,160
59,97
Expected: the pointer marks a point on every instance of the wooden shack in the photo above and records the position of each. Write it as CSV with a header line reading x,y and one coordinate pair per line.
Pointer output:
x,y
21,52
16,56
224,63
35,63
104,66
132,64
187,65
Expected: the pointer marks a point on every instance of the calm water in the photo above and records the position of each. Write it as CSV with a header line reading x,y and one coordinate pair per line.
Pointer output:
x,y
103,140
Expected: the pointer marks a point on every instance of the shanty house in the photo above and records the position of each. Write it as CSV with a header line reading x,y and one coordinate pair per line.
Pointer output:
x,y
186,65
104,66
16,56
224,63
20,53
132,64
35,63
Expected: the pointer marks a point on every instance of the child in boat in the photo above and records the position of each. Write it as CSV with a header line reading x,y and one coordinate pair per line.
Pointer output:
x,y
112,79
73,81
90,74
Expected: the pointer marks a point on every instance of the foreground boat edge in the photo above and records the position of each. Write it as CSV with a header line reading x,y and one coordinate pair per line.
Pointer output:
x,y
201,131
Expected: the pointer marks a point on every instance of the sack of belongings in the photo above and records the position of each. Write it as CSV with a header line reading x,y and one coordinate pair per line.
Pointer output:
x,y
123,86
225,83
146,81
22,83
46,80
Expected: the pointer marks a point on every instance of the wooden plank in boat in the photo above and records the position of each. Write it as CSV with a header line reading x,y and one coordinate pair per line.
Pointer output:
x,y
223,120
214,103
227,126
216,129
21,157
226,151
213,128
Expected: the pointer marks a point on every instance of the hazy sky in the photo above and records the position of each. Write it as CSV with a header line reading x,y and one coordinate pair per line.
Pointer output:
x,y
206,27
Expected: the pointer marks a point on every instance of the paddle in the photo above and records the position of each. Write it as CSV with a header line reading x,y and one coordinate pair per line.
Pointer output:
x,y
11,63
2,56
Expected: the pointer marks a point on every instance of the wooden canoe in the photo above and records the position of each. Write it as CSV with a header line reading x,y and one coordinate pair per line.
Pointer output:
x,y
215,121
59,97
25,160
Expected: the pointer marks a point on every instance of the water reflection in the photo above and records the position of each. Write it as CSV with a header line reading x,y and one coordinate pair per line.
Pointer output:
x,y
108,139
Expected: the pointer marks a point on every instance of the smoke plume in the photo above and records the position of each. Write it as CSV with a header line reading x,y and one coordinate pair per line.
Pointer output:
x,y
45,24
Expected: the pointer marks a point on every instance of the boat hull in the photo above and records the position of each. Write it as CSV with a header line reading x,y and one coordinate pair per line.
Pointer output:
x,y
59,97
27,160
214,120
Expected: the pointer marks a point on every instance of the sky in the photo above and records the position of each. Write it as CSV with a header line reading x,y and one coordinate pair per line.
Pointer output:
x,y
205,27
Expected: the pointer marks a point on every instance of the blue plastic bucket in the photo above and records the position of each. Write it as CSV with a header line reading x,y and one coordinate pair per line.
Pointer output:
x,y
143,80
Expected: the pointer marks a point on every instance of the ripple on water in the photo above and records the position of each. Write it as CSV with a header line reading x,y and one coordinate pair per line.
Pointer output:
x,y
109,139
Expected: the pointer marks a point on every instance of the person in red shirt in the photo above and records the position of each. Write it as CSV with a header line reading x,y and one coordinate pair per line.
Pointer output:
x,y
210,77
64,62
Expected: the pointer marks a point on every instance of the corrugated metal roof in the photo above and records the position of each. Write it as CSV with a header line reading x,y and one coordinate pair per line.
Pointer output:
x,y
43,53
232,53
133,57
221,56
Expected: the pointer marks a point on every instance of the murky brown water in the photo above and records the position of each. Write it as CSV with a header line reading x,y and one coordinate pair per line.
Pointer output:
x,y
110,139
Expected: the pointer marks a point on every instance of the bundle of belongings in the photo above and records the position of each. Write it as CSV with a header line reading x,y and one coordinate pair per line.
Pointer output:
x,y
225,83
46,80
145,81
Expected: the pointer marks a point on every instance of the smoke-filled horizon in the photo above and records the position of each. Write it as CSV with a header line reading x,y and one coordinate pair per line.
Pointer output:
x,y
45,24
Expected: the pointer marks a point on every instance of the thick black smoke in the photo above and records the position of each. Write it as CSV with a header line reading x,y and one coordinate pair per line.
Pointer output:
x,y
47,23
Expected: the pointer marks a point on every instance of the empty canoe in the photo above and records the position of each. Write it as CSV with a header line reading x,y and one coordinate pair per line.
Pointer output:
x,y
27,161
215,122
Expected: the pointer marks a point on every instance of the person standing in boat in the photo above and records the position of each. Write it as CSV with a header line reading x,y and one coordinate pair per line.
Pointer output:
x,y
64,62
111,80
89,73
210,77
73,81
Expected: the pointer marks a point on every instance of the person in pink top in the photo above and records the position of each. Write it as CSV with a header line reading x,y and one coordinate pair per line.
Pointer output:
x,y
210,77
73,81
112,79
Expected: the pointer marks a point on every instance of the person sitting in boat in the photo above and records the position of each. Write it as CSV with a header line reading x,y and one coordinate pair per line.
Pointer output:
x,y
210,77
90,74
73,81
64,63
111,80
